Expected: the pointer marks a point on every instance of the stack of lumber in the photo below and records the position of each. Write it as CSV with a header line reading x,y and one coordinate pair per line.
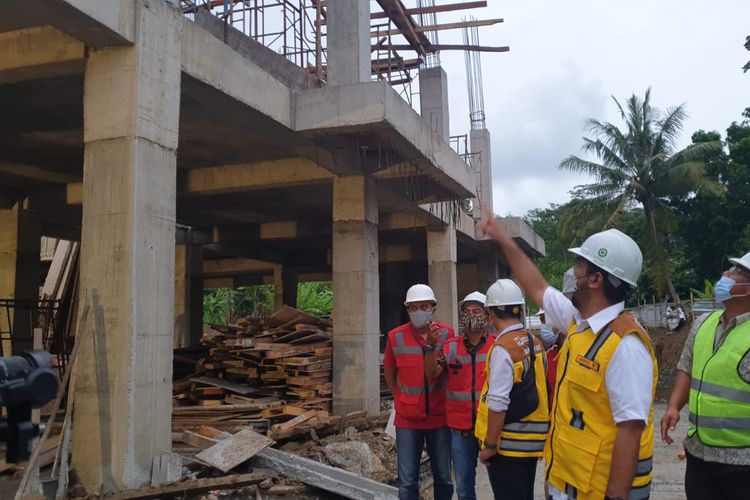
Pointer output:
x,y
260,372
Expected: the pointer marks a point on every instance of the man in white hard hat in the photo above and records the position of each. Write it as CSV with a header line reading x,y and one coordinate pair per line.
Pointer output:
x,y
714,377
462,359
513,413
601,440
418,400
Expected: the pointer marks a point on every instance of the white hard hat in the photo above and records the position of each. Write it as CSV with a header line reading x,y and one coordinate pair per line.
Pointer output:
x,y
418,293
504,292
741,261
614,252
473,297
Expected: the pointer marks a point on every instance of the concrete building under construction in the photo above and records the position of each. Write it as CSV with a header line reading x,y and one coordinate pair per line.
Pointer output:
x,y
227,143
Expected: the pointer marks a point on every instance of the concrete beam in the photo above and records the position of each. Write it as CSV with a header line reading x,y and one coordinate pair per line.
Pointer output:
x,y
36,173
532,243
37,53
481,145
376,107
433,100
211,61
97,23
227,267
276,174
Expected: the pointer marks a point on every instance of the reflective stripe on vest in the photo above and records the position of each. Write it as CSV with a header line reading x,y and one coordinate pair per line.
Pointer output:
x,y
453,355
529,427
522,445
719,397
720,422
721,391
462,396
401,348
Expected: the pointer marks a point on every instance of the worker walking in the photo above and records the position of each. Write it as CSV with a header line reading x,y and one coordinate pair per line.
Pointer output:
x,y
463,360
419,401
513,415
714,376
601,438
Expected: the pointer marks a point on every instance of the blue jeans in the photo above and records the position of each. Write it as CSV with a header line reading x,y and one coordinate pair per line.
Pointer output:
x,y
465,453
409,445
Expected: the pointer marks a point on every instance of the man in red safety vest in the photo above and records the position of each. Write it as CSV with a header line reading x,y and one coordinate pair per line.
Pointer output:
x,y
463,361
419,401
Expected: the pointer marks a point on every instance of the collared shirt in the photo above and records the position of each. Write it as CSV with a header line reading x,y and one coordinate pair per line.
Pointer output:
x,y
693,445
501,374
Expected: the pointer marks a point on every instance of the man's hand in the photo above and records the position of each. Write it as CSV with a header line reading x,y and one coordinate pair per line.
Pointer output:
x,y
668,423
486,454
489,225
433,334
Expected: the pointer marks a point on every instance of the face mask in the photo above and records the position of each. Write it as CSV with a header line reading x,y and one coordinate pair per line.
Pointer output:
x,y
547,335
475,322
420,318
569,283
723,289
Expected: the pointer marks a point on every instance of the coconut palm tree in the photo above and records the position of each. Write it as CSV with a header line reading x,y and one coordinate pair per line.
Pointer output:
x,y
639,166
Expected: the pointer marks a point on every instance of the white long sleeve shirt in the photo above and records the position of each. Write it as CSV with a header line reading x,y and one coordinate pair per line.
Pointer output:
x,y
501,375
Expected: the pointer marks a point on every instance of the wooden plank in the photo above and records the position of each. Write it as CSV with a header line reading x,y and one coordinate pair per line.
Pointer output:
x,y
241,389
56,270
440,27
437,47
197,440
191,487
227,454
293,351
295,421
434,9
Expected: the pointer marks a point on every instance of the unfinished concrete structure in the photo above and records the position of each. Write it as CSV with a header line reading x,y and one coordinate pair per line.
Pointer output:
x,y
184,154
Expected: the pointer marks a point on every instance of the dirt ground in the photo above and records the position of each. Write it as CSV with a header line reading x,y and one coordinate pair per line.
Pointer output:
x,y
668,346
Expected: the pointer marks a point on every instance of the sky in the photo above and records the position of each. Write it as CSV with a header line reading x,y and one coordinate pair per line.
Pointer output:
x,y
567,59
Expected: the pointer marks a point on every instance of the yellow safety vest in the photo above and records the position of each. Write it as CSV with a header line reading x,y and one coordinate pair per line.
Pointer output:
x,y
525,438
582,438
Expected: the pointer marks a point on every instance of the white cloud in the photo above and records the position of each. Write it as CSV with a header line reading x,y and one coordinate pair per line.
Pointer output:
x,y
567,58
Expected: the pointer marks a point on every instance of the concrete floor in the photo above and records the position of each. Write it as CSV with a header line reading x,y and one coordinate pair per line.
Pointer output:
x,y
669,471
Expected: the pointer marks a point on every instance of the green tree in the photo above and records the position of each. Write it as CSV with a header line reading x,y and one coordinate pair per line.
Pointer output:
x,y
640,166
711,228
746,67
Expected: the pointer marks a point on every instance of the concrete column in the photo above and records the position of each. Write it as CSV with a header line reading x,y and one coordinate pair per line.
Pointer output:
x,y
487,265
433,99
285,281
124,372
481,143
188,296
20,236
441,269
348,38
356,289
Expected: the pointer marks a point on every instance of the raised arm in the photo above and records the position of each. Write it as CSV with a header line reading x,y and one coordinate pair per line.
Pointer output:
x,y
529,278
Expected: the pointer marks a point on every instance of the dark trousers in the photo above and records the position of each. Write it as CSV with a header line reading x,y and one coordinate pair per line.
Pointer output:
x,y
715,481
512,478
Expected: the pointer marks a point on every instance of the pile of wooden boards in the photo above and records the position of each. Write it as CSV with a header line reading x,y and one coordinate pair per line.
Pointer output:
x,y
260,372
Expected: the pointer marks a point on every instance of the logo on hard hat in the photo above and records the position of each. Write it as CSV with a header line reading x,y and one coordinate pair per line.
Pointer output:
x,y
602,252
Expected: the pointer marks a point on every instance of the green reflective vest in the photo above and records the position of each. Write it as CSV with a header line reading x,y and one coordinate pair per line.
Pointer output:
x,y
719,397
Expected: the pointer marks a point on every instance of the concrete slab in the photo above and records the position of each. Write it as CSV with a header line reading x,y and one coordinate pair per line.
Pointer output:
x,y
376,108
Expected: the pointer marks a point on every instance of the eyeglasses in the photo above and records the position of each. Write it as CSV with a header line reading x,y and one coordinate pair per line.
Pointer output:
x,y
739,270
424,307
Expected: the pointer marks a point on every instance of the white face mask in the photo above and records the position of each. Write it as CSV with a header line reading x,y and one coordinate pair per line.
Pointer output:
x,y
420,318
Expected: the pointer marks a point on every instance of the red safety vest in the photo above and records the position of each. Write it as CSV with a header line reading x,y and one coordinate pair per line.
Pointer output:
x,y
466,377
415,396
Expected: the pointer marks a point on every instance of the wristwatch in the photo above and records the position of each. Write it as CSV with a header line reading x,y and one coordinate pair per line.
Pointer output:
x,y
489,446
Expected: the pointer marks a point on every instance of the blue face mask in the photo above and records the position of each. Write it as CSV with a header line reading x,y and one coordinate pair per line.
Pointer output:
x,y
547,335
723,289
